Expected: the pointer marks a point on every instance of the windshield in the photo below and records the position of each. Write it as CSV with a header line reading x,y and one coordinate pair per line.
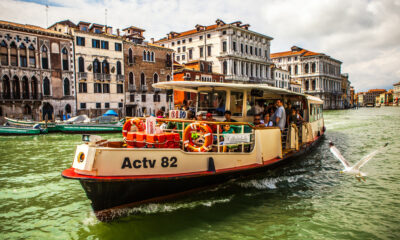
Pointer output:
x,y
212,102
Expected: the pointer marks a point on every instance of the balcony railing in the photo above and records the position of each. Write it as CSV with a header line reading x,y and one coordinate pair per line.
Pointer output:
x,y
120,77
132,88
107,77
82,75
157,90
98,76
143,88
9,96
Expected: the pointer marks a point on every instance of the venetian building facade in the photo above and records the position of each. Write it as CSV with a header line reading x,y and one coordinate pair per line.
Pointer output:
x,y
234,50
396,94
36,72
320,75
145,64
281,77
99,67
346,90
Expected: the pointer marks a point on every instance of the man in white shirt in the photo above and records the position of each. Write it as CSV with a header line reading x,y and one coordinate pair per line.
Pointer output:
x,y
280,115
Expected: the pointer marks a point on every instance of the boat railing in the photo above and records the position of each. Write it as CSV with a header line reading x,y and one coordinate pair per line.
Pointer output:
x,y
218,145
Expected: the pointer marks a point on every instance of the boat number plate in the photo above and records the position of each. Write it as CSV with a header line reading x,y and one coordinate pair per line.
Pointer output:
x,y
148,163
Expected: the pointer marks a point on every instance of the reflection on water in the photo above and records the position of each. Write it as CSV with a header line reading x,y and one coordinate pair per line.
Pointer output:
x,y
306,198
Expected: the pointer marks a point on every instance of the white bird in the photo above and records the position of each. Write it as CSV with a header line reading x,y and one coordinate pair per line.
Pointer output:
x,y
356,168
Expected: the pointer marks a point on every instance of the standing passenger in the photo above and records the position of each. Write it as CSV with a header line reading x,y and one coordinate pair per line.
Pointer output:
x,y
280,115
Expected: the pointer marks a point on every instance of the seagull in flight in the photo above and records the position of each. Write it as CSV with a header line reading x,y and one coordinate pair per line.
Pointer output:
x,y
356,168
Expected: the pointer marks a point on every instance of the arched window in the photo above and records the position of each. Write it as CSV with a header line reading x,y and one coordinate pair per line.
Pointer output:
x,y
290,69
65,59
66,87
46,86
3,53
45,59
32,57
152,56
25,88
68,108
148,56
313,84
142,79
225,67
81,64
119,70
6,87
27,110
130,56
105,67
13,54
201,67
155,78
296,69
16,88
313,67
307,85
96,66
131,79
23,56
168,78
306,68
144,55
34,88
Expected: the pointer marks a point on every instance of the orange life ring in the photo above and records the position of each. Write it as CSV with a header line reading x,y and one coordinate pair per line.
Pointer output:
x,y
188,141
128,124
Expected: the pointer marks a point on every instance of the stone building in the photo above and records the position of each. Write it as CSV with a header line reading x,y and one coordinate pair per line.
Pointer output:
x,y
234,50
145,64
396,94
99,67
353,102
197,70
370,96
281,77
36,72
346,90
319,74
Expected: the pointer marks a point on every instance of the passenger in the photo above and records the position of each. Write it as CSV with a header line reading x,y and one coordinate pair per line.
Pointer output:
x,y
227,130
280,115
191,115
160,114
185,106
257,122
299,117
209,117
267,121
292,118
228,118
288,111
200,116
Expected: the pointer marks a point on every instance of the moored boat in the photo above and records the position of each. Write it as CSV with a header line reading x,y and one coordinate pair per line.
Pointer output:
x,y
189,155
89,128
51,126
12,130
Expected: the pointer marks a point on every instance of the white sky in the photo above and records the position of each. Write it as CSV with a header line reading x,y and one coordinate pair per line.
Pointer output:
x,y
363,34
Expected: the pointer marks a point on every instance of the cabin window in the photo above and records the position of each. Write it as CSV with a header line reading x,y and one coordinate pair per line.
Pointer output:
x,y
236,103
213,102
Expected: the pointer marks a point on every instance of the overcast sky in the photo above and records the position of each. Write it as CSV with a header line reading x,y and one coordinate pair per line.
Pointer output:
x,y
363,34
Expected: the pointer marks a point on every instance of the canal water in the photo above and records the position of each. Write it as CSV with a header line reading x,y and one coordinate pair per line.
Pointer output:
x,y
305,199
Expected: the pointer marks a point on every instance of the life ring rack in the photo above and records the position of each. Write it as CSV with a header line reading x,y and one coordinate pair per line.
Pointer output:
x,y
188,140
128,124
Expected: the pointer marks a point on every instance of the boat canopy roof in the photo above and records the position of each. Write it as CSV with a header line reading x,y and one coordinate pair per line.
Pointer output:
x,y
196,86
193,86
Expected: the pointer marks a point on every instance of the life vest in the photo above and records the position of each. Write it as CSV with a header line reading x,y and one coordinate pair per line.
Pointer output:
x,y
189,141
128,124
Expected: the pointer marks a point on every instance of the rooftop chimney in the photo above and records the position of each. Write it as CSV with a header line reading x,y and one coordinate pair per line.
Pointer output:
x,y
117,31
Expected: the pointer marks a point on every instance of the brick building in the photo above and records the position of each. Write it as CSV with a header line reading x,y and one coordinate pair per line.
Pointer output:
x,y
36,72
370,96
197,70
145,64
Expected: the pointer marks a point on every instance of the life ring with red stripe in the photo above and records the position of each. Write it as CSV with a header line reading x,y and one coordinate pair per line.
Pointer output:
x,y
205,133
128,124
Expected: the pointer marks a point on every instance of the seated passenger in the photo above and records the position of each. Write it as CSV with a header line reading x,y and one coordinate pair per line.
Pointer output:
x,y
257,122
227,130
200,116
228,118
267,121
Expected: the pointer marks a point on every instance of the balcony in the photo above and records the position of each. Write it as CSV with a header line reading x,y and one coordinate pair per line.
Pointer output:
x,y
120,77
132,88
98,76
157,90
82,76
107,77
143,88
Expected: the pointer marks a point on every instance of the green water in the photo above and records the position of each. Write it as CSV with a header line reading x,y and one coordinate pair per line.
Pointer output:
x,y
304,199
